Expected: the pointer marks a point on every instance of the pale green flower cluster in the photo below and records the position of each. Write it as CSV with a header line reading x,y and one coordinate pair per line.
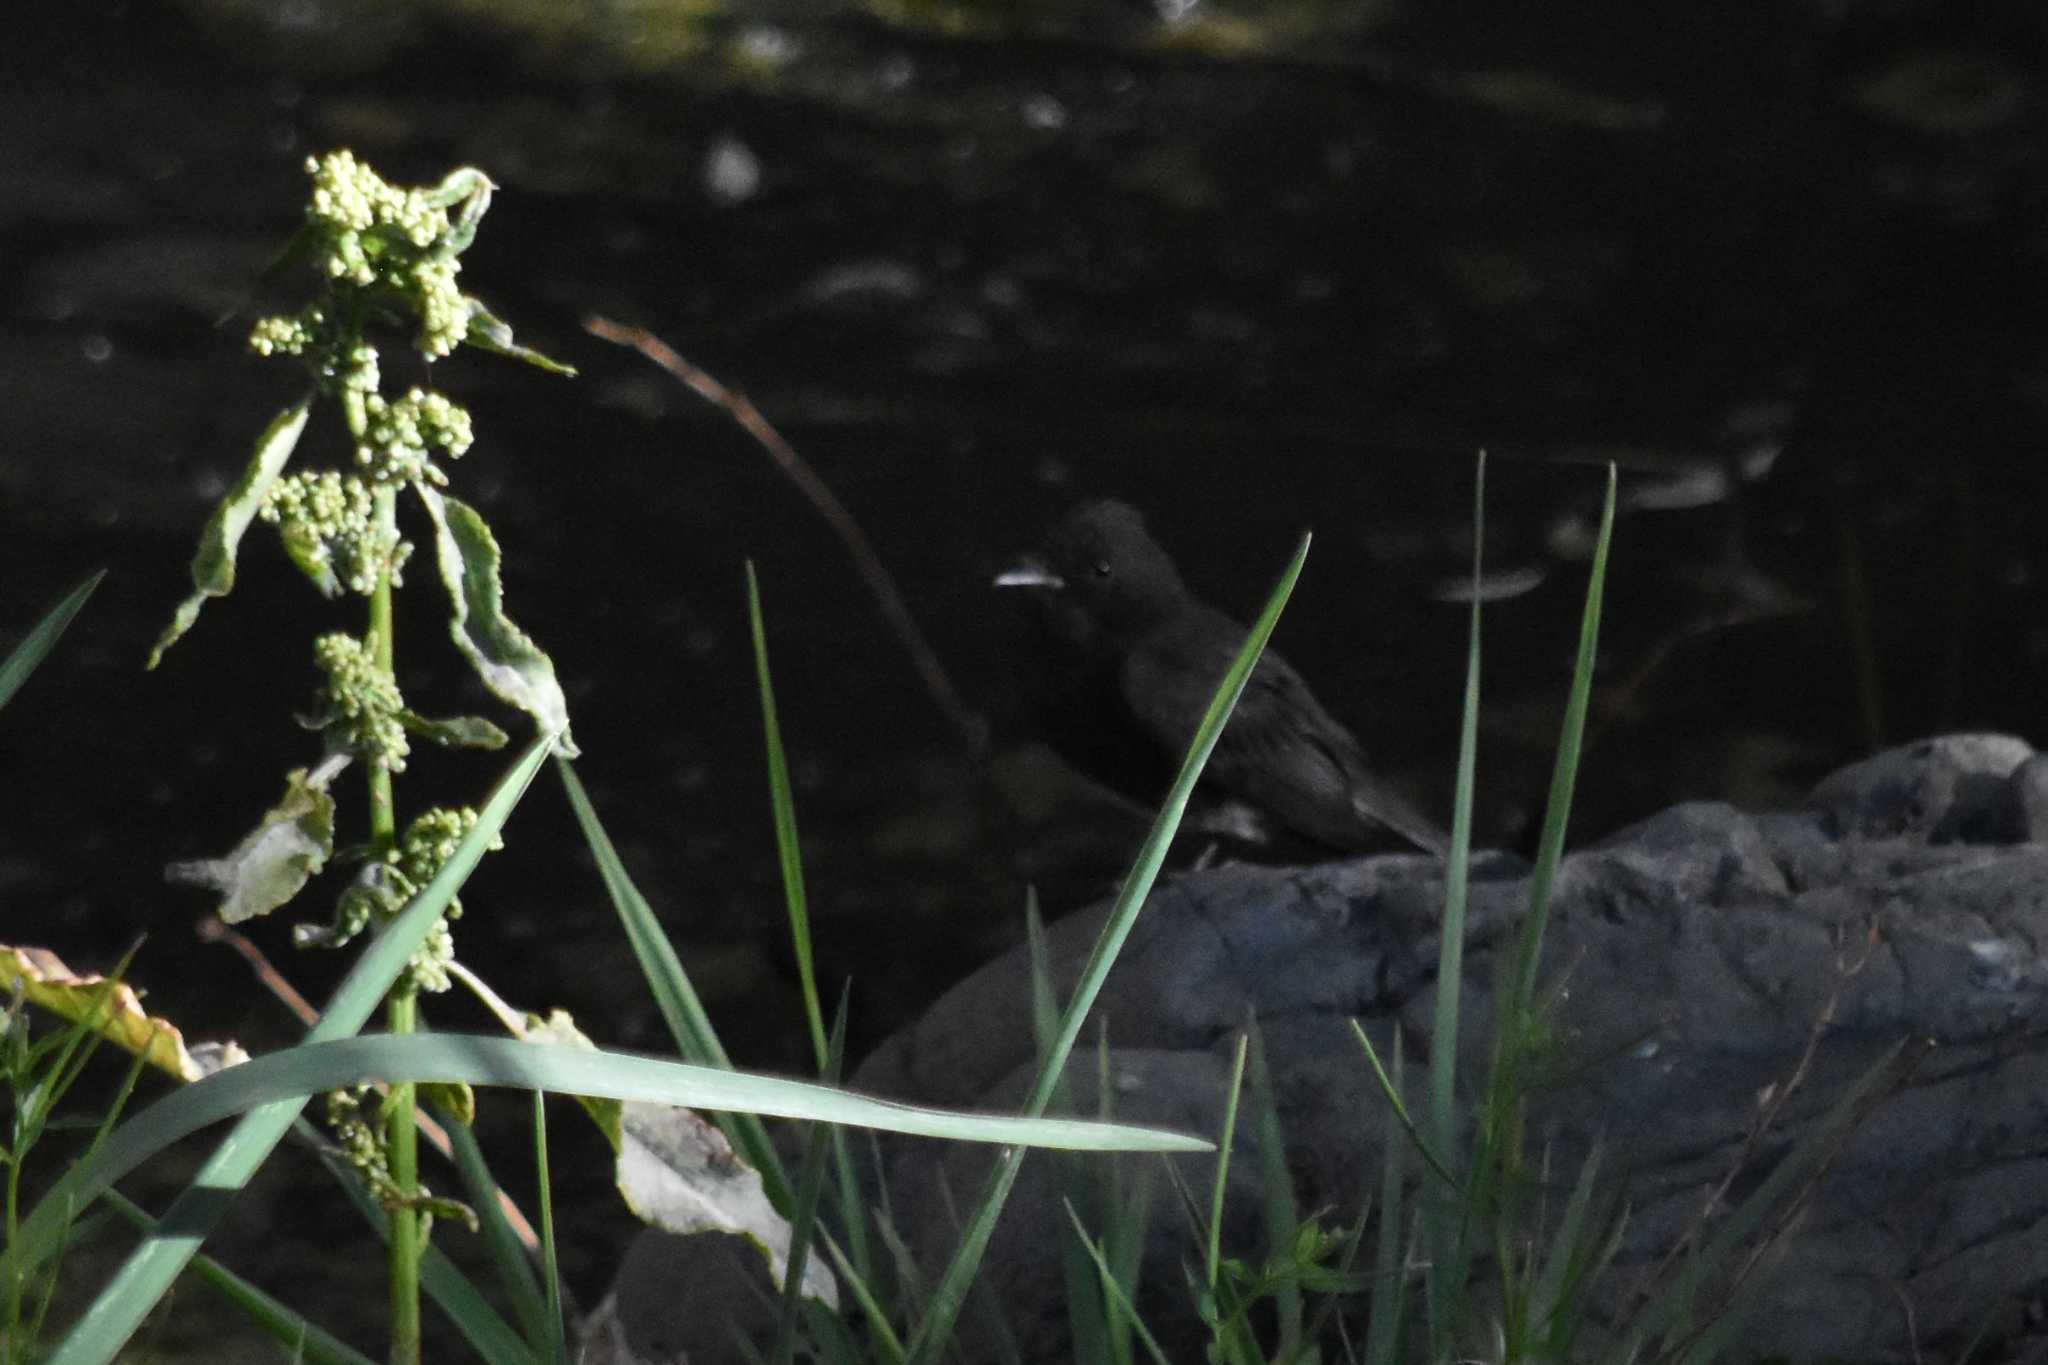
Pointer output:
x,y
339,363
328,523
400,436
361,701
444,312
423,850
364,233
361,217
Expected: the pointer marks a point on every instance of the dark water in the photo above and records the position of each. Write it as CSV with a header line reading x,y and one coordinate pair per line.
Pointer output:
x,y
1258,273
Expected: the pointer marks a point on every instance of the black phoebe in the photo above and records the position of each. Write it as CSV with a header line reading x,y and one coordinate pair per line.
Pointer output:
x,y
1135,662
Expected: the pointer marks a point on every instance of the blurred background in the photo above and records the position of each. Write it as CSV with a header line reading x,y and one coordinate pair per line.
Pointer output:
x,y
1258,268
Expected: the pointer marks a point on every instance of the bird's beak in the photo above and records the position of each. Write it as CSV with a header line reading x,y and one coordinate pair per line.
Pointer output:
x,y
1029,573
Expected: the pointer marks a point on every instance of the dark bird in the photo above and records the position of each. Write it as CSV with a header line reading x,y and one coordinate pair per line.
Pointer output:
x,y
1134,660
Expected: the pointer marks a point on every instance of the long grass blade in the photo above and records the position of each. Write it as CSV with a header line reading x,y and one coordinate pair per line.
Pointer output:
x,y
471,1059
488,1334
1390,1279
149,1271
1226,1142
1444,1216
35,646
1113,1290
1276,1183
507,1252
307,1340
1564,774
935,1330
556,1350
674,996
789,857
782,800
803,1223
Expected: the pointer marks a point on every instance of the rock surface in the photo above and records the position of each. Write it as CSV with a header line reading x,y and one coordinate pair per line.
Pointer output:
x,y
1722,982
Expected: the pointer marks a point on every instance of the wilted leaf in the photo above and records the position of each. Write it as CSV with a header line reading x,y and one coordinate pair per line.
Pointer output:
x,y
677,1173
269,867
115,1011
467,190
489,332
457,732
509,663
213,567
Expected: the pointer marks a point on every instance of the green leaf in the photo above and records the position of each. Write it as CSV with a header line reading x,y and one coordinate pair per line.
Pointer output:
x,y
36,645
509,662
213,567
270,866
304,548
457,1103
456,732
489,332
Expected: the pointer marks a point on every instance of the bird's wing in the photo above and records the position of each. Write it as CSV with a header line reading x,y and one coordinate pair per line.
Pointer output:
x,y
1281,749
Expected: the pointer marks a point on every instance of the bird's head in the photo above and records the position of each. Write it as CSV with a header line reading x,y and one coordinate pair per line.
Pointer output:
x,y
1110,578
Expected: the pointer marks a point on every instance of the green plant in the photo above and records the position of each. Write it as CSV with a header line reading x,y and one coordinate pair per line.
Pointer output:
x,y
387,255
380,255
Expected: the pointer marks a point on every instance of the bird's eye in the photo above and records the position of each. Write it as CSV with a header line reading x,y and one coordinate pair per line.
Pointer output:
x,y
1102,568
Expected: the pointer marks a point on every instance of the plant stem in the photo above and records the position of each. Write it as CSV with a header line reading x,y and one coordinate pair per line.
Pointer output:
x,y
401,1008
401,1138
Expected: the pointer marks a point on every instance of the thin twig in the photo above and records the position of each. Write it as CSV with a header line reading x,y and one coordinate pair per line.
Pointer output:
x,y
1775,1099
972,729
212,929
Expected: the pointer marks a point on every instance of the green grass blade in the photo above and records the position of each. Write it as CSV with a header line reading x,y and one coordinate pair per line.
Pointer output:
x,y
1226,1142
1114,1291
488,1334
789,856
886,1346
557,1349
674,996
149,1271
471,1059
936,1328
1574,1248
1390,1280
1392,1092
810,1190
1450,976
1564,775
35,646
310,1342
782,799
1445,1215
507,1252
1276,1183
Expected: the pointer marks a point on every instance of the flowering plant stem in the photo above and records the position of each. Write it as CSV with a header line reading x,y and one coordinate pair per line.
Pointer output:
x,y
401,1009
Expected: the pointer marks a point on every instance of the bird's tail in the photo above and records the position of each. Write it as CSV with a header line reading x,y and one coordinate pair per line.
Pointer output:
x,y
1387,809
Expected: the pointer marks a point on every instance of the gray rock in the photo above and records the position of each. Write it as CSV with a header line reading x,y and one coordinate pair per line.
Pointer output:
x,y
1721,982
